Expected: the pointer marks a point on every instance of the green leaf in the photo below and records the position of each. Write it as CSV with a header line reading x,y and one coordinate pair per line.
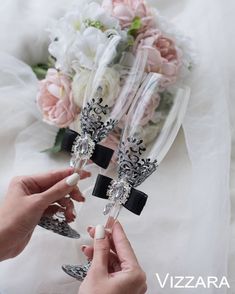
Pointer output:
x,y
40,70
58,142
135,26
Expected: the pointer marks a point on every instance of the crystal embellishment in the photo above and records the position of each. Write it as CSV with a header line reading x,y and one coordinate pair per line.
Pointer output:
x,y
119,190
83,147
108,208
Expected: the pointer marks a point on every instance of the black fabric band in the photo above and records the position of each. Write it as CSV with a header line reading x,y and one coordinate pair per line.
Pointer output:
x,y
135,202
101,156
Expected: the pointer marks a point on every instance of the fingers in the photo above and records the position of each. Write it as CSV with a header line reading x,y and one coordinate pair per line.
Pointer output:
x,y
59,190
69,211
113,264
53,209
77,195
119,244
123,247
91,232
88,251
101,251
67,208
45,181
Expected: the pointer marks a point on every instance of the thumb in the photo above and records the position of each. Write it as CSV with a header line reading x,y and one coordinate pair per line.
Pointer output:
x,y
59,190
101,251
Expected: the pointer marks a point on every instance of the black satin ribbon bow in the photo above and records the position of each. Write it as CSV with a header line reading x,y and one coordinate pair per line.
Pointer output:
x,y
101,156
136,200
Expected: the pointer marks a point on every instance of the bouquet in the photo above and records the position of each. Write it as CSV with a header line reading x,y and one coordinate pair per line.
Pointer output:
x,y
77,42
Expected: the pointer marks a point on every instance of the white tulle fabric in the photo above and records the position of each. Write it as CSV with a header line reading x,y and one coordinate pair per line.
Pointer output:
x,y
184,229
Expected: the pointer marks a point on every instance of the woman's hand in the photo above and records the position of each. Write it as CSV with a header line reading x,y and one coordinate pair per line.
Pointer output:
x,y
28,199
114,269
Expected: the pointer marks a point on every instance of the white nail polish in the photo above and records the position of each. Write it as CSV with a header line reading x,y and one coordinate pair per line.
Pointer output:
x,y
99,232
73,179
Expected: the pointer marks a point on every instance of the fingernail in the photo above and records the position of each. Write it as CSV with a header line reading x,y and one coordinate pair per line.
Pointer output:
x,y
99,232
109,231
73,179
89,228
83,247
74,213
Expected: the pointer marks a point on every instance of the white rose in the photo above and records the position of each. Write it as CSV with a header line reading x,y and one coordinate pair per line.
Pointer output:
x,y
79,84
109,86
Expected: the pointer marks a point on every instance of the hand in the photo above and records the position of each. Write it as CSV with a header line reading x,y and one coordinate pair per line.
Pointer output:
x,y
28,199
114,268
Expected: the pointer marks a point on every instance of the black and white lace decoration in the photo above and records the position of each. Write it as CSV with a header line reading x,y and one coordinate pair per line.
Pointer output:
x,y
93,129
58,226
133,169
131,166
92,120
76,271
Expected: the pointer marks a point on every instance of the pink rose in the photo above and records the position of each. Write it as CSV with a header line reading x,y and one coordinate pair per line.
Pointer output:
x,y
55,99
163,55
126,10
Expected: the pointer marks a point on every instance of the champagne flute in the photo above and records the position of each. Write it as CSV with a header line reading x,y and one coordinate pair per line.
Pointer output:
x,y
137,157
98,119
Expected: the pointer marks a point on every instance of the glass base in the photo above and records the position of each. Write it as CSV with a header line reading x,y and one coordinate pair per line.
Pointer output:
x,y
57,226
79,272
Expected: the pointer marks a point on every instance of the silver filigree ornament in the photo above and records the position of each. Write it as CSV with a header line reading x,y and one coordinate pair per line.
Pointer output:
x,y
82,149
92,117
118,192
93,129
131,163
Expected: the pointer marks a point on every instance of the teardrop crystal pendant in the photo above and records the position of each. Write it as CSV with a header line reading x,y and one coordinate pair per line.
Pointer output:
x,y
119,190
58,226
108,208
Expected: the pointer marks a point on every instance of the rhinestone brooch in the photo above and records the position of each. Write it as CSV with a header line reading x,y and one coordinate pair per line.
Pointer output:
x,y
83,147
119,190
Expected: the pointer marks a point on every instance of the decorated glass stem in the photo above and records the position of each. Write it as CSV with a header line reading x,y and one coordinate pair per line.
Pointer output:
x,y
113,215
97,120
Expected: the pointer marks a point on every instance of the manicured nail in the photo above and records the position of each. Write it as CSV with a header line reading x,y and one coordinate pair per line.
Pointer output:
x,y
108,231
99,232
73,179
83,247
89,228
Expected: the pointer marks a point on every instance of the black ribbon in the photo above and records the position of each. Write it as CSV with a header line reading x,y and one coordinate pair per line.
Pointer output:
x,y
101,156
135,202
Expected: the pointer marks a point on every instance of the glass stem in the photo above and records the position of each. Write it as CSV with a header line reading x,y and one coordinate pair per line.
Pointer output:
x,y
80,164
113,215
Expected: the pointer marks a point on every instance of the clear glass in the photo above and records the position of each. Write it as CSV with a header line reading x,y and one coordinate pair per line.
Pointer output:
x,y
169,116
158,148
